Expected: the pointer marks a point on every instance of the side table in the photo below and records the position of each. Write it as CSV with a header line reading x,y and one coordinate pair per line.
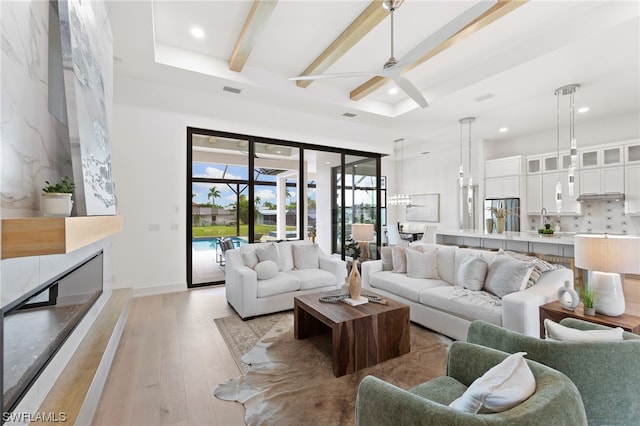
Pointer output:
x,y
555,312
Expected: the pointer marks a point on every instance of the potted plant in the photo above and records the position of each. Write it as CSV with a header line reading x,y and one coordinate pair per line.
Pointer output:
x,y
56,199
586,294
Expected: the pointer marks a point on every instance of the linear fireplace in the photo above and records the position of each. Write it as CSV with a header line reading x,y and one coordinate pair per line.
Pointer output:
x,y
37,325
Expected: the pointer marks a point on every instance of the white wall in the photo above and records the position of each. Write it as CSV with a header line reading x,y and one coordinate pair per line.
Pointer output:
x,y
149,164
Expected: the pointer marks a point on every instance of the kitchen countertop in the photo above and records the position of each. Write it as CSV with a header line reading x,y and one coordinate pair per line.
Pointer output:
x,y
529,236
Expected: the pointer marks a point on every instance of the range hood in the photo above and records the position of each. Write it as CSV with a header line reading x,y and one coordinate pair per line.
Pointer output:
x,y
609,196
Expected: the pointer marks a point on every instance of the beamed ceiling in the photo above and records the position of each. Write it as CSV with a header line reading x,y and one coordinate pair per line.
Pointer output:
x,y
502,68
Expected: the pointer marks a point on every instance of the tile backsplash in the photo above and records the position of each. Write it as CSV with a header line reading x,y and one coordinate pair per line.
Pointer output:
x,y
597,217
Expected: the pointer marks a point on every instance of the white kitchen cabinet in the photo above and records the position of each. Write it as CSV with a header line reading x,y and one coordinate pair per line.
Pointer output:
x,y
534,194
632,153
534,165
601,157
602,180
508,166
502,187
632,193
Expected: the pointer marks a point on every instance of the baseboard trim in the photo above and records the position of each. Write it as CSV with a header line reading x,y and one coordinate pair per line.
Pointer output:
x,y
159,289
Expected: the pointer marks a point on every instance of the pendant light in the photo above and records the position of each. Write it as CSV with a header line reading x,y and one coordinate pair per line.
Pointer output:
x,y
558,184
400,199
570,90
463,121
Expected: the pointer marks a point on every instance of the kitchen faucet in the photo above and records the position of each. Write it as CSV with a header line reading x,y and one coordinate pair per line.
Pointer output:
x,y
543,220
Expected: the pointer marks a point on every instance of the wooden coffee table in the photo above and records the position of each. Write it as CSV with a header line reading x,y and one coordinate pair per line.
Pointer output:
x,y
362,335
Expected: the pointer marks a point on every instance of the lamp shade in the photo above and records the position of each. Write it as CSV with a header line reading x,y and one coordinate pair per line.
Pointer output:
x,y
608,253
362,231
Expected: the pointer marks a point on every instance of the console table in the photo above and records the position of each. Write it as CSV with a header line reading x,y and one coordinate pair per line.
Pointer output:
x,y
555,312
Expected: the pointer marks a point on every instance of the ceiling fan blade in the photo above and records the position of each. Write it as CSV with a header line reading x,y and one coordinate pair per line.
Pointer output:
x,y
411,90
440,36
336,75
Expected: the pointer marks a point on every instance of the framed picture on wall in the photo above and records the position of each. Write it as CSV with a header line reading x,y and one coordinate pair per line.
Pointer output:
x,y
424,208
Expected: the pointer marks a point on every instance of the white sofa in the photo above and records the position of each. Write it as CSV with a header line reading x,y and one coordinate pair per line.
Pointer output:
x,y
443,305
251,296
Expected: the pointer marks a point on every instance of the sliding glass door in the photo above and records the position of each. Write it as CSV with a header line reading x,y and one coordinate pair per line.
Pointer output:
x,y
249,189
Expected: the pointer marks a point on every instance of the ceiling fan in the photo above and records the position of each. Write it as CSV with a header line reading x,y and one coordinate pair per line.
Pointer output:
x,y
393,67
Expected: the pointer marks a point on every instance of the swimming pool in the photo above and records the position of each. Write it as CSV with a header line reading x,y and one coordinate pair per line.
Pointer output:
x,y
205,244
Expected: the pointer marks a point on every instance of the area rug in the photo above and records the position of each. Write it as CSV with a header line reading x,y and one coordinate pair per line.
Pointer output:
x,y
291,382
240,336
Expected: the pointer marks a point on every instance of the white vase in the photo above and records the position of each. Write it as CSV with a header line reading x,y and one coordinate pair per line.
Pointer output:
x,y
608,297
567,296
56,204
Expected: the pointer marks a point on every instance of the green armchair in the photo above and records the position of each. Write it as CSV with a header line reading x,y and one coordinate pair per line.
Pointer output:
x,y
556,400
607,374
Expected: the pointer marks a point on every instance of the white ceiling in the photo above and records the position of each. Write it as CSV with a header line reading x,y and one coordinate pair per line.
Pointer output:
x,y
519,59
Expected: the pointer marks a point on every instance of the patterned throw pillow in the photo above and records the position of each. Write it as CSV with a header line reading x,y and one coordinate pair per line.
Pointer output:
x,y
507,275
539,268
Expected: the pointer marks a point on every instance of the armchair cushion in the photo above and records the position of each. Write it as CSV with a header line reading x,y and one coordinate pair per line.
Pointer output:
x,y
502,387
557,331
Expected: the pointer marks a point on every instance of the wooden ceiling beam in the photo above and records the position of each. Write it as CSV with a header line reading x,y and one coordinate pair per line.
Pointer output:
x,y
500,9
360,27
256,22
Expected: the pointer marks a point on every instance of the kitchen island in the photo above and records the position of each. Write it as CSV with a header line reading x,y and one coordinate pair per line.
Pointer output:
x,y
560,244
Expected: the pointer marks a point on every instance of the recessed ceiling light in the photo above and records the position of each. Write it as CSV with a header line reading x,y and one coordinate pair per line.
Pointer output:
x,y
393,90
583,109
197,32
503,129
328,162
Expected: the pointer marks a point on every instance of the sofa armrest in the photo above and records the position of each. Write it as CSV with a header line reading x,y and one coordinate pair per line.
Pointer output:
x,y
520,310
368,268
241,282
336,266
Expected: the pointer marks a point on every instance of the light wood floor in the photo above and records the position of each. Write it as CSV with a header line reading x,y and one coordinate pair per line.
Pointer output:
x,y
170,359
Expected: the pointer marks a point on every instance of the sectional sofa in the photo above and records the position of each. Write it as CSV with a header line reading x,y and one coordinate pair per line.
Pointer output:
x,y
446,303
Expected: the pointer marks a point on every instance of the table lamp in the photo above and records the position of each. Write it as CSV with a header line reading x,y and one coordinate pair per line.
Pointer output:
x,y
362,233
607,257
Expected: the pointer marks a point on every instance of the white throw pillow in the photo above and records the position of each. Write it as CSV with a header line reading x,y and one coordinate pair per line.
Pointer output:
x,y
250,258
507,275
305,256
399,257
422,265
557,331
269,252
472,272
387,260
266,269
500,388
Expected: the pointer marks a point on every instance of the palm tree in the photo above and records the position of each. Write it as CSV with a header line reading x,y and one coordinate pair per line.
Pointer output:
x,y
213,193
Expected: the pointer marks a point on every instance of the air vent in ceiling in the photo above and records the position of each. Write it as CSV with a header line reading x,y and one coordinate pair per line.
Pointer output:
x,y
349,114
232,90
399,140
483,97
425,153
